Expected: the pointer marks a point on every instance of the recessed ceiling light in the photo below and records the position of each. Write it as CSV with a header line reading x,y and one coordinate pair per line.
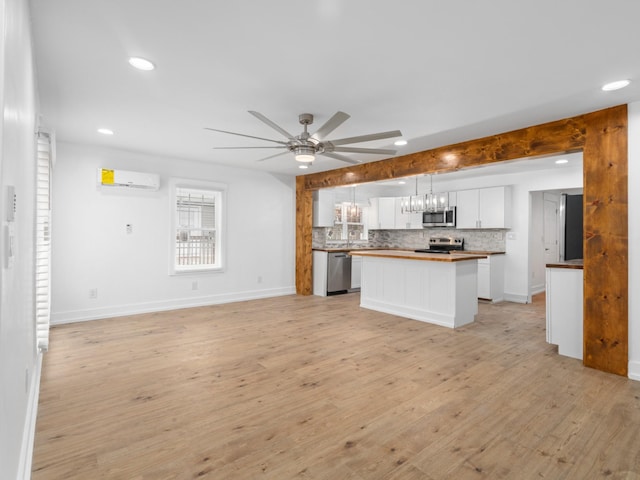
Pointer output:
x,y
399,143
608,87
561,161
141,63
105,131
401,182
303,166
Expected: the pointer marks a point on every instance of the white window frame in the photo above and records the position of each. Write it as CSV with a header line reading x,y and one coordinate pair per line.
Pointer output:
x,y
220,191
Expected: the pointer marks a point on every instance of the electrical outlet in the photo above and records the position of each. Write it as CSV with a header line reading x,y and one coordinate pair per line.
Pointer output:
x,y
129,229
194,285
93,293
259,278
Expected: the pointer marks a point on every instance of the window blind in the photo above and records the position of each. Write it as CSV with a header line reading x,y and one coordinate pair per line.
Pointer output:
x,y
43,241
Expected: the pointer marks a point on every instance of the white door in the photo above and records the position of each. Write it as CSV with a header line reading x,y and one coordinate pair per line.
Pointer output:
x,y
550,228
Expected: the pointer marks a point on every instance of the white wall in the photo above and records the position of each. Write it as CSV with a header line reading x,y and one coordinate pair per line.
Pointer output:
x,y
19,361
91,249
634,240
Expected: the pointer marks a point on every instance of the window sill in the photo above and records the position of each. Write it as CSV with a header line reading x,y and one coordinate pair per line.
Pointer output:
x,y
197,271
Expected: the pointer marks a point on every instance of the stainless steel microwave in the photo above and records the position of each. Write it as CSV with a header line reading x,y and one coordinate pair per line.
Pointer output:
x,y
440,218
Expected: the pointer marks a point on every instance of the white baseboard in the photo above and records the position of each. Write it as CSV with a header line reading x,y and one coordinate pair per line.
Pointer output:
x,y
29,433
634,371
535,289
515,297
73,316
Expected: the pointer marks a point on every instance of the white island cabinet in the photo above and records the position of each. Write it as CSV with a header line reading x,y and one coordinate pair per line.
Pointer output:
x,y
433,288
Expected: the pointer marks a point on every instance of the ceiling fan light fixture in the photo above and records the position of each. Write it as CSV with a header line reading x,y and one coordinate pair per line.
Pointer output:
x,y
305,154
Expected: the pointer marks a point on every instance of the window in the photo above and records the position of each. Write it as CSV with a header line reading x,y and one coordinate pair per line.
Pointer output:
x,y
197,227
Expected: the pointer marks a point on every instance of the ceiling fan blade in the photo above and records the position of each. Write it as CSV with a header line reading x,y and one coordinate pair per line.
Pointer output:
x,y
275,126
272,156
381,151
330,125
238,148
342,158
367,138
243,135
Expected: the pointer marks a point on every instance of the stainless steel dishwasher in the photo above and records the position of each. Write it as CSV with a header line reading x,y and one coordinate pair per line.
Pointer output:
x,y
338,273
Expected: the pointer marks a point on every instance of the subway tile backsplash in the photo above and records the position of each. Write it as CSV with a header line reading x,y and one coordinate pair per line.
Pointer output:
x,y
487,240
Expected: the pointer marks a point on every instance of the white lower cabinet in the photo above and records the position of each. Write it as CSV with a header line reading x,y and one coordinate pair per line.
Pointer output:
x,y
491,278
564,297
320,265
356,272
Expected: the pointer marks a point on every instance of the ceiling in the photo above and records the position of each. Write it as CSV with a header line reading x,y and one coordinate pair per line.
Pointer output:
x,y
441,72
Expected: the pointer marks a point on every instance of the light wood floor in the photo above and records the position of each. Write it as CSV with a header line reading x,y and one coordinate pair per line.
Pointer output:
x,y
317,388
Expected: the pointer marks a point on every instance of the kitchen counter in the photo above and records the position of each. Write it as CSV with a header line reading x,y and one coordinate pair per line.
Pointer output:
x,y
411,255
477,252
407,249
577,264
429,287
342,249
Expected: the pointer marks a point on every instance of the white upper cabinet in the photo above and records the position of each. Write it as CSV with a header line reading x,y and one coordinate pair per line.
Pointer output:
x,y
403,219
382,213
324,202
484,208
386,214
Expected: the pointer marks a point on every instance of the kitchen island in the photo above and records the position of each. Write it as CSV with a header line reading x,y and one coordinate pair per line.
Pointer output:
x,y
430,287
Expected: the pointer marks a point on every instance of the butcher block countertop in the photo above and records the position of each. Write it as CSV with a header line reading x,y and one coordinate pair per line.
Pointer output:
x,y
342,249
405,249
411,255
476,252
577,264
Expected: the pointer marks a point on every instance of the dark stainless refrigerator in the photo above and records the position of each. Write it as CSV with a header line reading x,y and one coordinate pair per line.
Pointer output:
x,y
571,234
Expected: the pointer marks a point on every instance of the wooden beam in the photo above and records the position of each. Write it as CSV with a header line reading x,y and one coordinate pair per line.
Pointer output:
x,y
603,138
547,139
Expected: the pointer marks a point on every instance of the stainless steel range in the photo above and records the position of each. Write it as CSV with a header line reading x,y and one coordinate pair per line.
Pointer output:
x,y
443,245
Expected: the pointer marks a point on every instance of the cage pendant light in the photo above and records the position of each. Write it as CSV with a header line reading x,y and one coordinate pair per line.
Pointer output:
x,y
414,203
435,201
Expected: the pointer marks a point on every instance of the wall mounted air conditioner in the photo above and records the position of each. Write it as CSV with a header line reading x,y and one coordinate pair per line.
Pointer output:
x,y
125,178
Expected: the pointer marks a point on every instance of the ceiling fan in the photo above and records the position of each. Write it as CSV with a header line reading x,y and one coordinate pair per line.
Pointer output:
x,y
306,146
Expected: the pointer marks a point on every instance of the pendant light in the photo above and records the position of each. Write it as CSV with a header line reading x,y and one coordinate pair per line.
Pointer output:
x,y
414,203
435,201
